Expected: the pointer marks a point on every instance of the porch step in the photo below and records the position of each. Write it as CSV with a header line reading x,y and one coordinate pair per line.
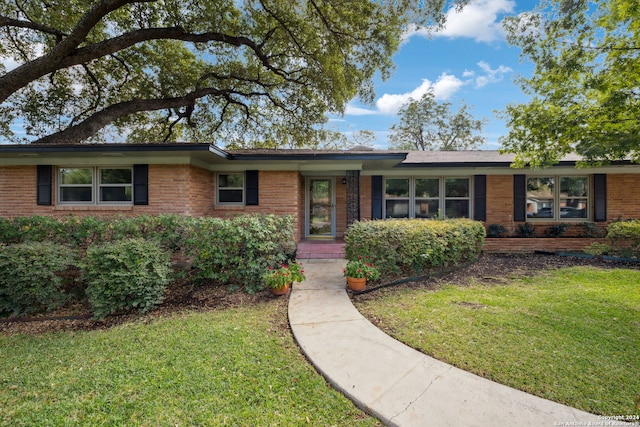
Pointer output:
x,y
320,249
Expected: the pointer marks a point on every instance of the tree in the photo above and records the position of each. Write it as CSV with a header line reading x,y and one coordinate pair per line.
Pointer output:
x,y
585,89
427,124
224,70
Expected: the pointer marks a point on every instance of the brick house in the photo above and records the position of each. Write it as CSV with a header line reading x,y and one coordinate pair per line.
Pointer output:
x,y
324,190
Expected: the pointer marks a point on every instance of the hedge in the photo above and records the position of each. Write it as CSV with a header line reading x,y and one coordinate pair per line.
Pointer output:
x,y
625,237
229,251
402,247
33,277
125,275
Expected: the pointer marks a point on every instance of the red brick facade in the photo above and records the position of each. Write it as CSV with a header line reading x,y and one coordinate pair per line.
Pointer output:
x,y
191,190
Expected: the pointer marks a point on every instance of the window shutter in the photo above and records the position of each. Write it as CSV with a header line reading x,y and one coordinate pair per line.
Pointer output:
x,y
480,197
44,185
376,196
251,198
600,197
519,198
140,184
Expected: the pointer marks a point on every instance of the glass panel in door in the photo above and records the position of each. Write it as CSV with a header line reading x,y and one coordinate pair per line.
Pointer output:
x,y
321,207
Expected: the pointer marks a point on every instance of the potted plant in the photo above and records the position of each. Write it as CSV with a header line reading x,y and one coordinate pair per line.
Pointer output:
x,y
279,280
358,272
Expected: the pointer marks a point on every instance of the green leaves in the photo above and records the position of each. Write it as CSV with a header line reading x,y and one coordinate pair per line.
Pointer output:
x,y
584,87
413,247
243,72
427,124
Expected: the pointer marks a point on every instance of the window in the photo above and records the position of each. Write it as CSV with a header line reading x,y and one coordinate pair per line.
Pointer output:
x,y
558,197
95,185
231,188
427,197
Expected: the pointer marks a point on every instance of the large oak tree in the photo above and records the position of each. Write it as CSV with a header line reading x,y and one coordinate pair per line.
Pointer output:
x,y
230,71
585,89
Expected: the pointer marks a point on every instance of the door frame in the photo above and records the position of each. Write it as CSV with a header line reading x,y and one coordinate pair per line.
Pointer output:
x,y
307,207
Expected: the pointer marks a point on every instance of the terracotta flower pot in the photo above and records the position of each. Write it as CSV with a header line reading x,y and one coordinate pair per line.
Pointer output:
x,y
283,290
357,283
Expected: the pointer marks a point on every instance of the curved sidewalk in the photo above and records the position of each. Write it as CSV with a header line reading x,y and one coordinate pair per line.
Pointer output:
x,y
397,384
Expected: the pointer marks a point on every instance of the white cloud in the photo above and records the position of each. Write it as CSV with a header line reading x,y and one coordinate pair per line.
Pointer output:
x,y
443,88
478,20
490,75
352,110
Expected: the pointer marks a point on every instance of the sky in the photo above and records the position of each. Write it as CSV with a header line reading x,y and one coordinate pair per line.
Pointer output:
x,y
468,62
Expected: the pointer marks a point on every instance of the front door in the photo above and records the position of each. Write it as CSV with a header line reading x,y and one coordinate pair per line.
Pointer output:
x,y
321,208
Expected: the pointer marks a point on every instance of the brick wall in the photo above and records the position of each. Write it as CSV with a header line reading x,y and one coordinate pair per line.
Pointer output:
x,y
500,201
623,196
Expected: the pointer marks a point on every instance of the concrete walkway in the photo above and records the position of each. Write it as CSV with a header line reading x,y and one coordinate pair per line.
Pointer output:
x,y
399,385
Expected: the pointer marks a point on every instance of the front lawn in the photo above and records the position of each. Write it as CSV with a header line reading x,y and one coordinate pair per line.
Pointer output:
x,y
571,335
237,367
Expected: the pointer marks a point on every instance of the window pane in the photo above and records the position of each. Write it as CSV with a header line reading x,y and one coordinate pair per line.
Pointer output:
x,y
230,196
427,208
115,176
397,187
231,180
579,210
75,194
116,194
456,187
427,188
76,176
540,197
397,208
457,208
574,186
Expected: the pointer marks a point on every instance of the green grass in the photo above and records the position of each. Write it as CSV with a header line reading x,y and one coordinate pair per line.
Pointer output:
x,y
237,367
572,336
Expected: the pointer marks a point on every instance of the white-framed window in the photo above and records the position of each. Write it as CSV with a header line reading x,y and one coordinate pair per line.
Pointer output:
x,y
231,189
558,198
427,197
95,185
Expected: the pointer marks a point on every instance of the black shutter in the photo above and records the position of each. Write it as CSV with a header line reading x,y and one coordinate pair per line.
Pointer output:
x,y
140,184
519,198
44,185
480,197
600,197
376,196
251,198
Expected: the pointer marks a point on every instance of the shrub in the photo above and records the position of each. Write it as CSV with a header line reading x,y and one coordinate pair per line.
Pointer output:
x,y
557,230
410,247
589,229
496,230
239,250
32,277
526,230
124,275
623,233
597,249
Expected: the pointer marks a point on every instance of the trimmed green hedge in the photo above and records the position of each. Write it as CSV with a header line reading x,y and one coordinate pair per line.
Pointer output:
x,y
33,277
413,247
125,275
233,251
625,237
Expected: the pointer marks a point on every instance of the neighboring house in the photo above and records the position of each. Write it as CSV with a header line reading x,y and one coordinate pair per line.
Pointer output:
x,y
324,190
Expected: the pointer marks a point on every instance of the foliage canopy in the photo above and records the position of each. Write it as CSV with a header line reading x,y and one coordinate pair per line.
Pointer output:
x,y
234,71
585,90
427,124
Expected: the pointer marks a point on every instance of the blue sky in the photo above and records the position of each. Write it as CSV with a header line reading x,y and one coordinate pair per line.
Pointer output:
x,y
468,62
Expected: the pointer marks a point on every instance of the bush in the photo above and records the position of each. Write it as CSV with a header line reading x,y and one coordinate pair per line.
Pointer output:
x,y
625,237
557,230
526,230
239,250
32,277
496,230
412,247
124,275
597,249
